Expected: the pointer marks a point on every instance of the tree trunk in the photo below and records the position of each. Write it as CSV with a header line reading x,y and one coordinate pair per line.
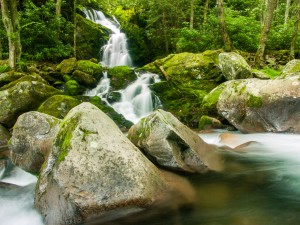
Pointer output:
x,y
58,8
164,23
221,17
265,32
287,11
192,15
75,32
295,33
205,12
12,26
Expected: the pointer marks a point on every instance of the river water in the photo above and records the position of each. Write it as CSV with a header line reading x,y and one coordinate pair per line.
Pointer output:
x,y
261,189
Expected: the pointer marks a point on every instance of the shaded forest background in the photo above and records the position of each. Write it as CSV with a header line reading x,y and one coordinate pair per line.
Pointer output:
x,y
154,28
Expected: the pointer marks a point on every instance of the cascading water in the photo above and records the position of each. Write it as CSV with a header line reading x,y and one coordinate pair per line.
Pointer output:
x,y
137,100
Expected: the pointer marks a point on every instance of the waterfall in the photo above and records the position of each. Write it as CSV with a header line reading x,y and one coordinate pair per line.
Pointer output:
x,y
137,100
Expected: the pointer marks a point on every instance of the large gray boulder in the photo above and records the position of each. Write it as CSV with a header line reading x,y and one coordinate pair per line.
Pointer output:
x,y
234,66
94,169
173,145
23,95
255,105
32,139
292,68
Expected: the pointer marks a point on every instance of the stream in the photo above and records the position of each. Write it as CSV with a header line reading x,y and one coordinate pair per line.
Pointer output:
x,y
263,189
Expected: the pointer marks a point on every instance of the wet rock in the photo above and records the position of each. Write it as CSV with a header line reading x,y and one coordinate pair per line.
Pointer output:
x,y
31,140
234,66
94,169
23,95
255,105
173,145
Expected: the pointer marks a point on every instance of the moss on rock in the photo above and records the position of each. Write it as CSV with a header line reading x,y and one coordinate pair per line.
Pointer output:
x,y
72,87
90,38
121,76
58,105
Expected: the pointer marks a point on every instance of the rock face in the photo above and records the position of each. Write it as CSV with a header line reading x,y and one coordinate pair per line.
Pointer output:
x,y
90,38
255,105
23,95
93,169
173,145
234,66
292,68
32,139
4,137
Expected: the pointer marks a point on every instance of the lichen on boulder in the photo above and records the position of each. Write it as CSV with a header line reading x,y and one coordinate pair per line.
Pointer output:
x,y
88,175
234,66
254,105
292,68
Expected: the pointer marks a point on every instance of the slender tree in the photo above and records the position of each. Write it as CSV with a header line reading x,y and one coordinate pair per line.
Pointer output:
x,y
12,26
192,15
58,8
271,4
205,9
287,11
224,33
295,33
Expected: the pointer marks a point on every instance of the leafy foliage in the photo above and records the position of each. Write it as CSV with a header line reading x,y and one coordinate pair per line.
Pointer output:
x,y
43,36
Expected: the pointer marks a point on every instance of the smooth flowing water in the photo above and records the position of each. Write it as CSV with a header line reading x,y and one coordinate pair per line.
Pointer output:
x,y
261,189
16,199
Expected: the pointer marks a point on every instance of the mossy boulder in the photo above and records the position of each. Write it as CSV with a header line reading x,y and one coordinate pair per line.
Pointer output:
x,y
58,105
254,105
91,68
292,68
9,76
190,77
234,66
90,38
23,95
84,78
67,66
113,97
121,77
207,123
72,87
185,66
94,170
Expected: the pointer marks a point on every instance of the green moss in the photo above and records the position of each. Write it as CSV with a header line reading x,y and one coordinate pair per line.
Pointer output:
x,y
72,87
255,101
270,72
89,67
121,76
204,121
90,38
58,105
64,137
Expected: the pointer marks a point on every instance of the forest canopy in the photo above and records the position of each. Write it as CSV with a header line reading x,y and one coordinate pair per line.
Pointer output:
x,y
154,28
